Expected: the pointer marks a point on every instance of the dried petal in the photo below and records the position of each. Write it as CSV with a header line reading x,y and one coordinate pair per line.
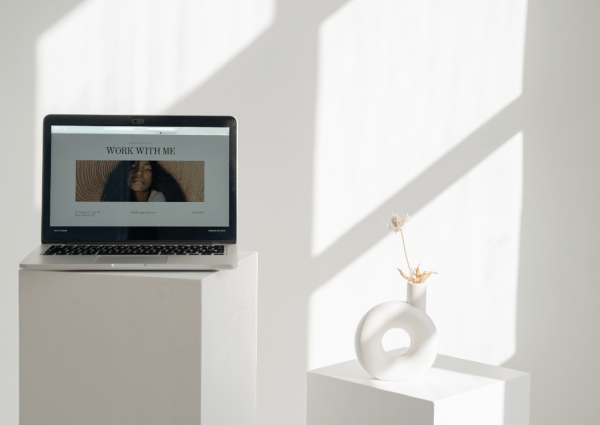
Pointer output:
x,y
397,222
417,276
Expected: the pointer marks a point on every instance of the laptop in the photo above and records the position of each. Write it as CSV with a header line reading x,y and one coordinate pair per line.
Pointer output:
x,y
138,192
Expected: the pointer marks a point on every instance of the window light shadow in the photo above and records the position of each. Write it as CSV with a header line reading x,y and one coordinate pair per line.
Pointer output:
x,y
278,155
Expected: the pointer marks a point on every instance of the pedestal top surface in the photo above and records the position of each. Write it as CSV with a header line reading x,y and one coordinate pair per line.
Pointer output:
x,y
448,377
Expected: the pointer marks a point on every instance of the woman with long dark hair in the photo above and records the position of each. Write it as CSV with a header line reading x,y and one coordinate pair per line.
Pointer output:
x,y
141,181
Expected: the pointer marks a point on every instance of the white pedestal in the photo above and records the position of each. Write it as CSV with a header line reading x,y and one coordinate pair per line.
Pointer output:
x,y
452,392
138,347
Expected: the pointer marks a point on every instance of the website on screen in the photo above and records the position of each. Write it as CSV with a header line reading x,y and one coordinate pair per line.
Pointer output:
x,y
139,176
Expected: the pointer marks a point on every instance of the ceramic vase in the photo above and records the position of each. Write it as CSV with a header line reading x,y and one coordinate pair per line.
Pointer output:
x,y
412,318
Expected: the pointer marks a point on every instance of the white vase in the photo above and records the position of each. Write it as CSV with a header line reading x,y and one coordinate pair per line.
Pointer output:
x,y
412,318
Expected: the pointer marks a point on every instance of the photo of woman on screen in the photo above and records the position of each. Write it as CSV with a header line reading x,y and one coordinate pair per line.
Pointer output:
x,y
141,181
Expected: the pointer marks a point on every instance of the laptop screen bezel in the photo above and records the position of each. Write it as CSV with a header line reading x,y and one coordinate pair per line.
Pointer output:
x,y
132,234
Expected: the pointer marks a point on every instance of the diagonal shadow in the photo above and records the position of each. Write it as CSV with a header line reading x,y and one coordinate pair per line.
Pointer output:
x,y
420,191
271,88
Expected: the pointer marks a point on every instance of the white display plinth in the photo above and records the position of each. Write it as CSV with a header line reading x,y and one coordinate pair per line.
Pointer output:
x,y
138,347
452,392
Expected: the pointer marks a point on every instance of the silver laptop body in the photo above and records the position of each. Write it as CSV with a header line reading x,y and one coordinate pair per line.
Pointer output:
x,y
138,192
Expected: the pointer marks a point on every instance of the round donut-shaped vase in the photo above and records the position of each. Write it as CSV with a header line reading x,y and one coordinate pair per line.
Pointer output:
x,y
423,341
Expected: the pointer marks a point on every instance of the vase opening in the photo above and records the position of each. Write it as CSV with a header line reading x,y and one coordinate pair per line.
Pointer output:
x,y
396,342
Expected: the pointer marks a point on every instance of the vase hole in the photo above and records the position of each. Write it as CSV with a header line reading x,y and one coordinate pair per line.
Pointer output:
x,y
396,342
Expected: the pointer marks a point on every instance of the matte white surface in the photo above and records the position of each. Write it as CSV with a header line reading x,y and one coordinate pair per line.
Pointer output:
x,y
416,295
452,392
389,315
138,347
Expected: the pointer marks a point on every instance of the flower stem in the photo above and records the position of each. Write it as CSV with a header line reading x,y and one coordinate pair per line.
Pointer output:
x,y
405,254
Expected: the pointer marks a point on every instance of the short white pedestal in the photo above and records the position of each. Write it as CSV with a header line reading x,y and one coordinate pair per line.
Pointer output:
x,y
138,347
452,392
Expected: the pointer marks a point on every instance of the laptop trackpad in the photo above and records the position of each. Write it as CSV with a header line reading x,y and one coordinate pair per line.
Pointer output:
x,y
131,259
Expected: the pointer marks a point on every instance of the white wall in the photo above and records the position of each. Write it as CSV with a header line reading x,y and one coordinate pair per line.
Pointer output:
x,y
478,117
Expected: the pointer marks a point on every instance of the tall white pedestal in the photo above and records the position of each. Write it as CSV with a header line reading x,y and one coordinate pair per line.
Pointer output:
x,y
138,347
452,392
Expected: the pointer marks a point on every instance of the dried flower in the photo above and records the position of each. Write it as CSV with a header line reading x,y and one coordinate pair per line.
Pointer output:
x,y
415,276
397,222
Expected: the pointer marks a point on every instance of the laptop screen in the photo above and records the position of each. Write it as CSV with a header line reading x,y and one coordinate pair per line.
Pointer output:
x,y
139,176
147,177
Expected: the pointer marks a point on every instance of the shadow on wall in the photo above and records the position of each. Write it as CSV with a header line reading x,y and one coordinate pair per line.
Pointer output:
x,y
282,72
559,251
279,72
273,83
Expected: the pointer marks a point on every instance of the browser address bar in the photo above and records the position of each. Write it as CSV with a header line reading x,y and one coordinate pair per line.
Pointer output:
x,y
161,129
141,128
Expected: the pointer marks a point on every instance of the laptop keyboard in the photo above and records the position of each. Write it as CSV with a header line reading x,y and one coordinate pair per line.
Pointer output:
x,y
135,250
